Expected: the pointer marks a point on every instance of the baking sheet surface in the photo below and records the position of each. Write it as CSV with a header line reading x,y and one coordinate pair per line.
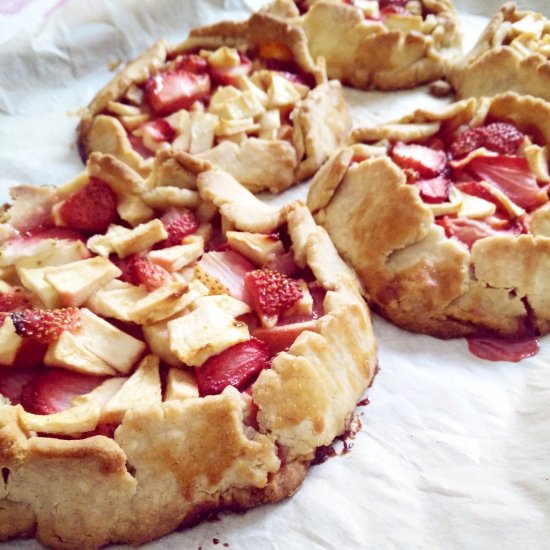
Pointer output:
x,y
453,451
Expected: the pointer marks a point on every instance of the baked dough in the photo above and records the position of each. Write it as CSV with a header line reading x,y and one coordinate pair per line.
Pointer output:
x,y
171,457
270,128
367,50
511,55
420,266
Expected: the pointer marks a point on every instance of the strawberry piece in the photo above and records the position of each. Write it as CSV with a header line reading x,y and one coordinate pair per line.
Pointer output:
x,y
272,292
192,63
13,380
281,337
434,190
467,230
91,209
393,9
229,76
16,299
501,137
139,270
382,4
236,366
170,91
427,162
224,272
52,390
178,222
160,130
512,176
137,145
45,325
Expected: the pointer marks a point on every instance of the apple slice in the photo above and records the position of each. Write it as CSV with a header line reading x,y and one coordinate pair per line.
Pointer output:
x,y
180,385
177,257
143,387
256,247
10,342
117,300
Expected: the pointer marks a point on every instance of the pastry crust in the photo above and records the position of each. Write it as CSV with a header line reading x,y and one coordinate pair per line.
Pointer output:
x,y
511,55
319,120
164,467
415,275
363,51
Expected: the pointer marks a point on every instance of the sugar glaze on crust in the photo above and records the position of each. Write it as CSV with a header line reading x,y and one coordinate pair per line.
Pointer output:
x,y
164,467
417,275
365,50
319,120
512,54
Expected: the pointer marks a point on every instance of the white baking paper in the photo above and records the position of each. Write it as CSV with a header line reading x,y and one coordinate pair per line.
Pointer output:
x,y
454,451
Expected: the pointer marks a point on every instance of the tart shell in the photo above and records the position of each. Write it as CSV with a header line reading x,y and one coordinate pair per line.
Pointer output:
x,y
415,275
165,467
321,121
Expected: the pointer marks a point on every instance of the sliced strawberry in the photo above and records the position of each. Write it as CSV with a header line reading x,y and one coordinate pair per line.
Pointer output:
x,y
137,145
139,270
475,189
45,325
393,9
427,162
237,366
501,137
90,209
192,63
225,271
272,292
281,337
434,190
159,130
13,380
229,76
382,4
170,91
16,299
178,222
53,390
466,230
512,176
30,354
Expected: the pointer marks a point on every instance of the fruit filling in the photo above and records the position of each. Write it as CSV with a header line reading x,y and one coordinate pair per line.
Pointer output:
x,y
198,100
527,33
478,181
99,314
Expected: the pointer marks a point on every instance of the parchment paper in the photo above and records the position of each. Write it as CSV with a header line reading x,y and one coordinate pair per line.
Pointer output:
x,y
454,451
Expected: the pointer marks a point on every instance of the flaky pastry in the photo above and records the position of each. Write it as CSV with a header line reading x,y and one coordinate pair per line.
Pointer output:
x,y
385,44
512,54
446,216
160,362
245,96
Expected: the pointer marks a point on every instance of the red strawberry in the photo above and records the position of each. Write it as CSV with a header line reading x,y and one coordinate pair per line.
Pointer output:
x,y
173,90
466,230
45,325
178,222
90,209
159,130
427,162
236,366
281,337
512,176
501,137
13,380
393,9
139,270
137,145
52,390
14,300
388,3
434,190
229,76
272,292
192,63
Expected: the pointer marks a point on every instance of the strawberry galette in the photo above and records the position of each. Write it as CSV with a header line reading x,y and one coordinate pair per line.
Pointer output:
x,y
168,347
386,44
512,54
448,220
246,96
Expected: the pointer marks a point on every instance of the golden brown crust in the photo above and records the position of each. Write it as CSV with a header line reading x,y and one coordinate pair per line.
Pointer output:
x,y
165,467
321,119
503,60
416,276
366,53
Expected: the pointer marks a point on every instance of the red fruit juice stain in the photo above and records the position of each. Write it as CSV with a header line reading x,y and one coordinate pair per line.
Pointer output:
x,y
495,348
